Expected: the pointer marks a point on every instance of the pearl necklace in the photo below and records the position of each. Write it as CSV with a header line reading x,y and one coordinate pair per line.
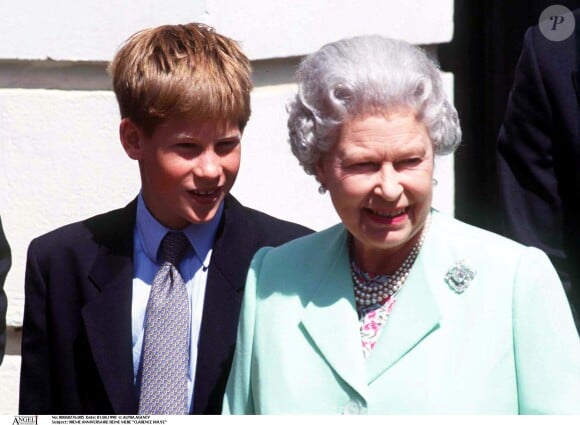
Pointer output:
x,y
373,290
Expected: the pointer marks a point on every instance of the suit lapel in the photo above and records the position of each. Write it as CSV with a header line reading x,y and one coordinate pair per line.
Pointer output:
x,y
232,252
330,316
107,316
414,316
331,321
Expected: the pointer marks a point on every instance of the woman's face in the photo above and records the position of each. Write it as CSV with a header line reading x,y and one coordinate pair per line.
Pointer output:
x,y
379,175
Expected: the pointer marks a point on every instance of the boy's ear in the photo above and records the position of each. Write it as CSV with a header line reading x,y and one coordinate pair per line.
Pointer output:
x,y
131,137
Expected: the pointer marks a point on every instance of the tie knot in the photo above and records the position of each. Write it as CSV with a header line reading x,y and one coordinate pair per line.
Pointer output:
x,y
173,247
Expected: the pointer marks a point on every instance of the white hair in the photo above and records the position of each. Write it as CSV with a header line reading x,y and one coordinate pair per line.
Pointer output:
x,y
361,75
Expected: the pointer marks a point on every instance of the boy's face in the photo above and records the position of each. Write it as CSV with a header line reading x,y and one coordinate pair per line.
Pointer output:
x,y
187,166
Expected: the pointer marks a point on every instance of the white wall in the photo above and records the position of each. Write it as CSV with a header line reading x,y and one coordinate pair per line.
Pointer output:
x,y
60,159
93,29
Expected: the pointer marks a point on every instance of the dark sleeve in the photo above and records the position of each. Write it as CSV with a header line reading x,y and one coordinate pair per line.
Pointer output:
x,y
35,388
5,263
527,163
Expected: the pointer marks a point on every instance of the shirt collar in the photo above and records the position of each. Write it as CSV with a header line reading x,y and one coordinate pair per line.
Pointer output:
x,y
151,232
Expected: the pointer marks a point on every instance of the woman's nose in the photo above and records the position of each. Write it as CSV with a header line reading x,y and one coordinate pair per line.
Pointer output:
x,y
389,185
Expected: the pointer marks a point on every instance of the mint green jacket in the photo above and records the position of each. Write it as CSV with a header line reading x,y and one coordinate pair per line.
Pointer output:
x,y
506,345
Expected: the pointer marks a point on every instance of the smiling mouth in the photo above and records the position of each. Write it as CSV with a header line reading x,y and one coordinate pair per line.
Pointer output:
x,y
207,196
205,193
388,214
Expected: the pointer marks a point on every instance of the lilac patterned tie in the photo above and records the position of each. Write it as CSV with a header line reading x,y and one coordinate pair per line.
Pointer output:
x,y
165,358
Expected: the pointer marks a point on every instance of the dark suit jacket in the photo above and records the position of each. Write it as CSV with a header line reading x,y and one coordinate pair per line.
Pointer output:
x,y
539,155
76,341
5,262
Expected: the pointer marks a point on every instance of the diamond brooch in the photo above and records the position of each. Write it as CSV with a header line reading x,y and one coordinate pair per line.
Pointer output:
x,y
459,277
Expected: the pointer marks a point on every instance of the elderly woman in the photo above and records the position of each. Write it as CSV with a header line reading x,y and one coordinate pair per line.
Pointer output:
x,y
398,309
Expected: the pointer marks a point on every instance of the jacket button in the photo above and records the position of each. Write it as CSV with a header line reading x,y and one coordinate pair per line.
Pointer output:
x,y
353,407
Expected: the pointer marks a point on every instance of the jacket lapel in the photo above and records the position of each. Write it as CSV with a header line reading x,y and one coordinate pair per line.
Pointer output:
x,y
331,321
414,316
227,271
107,316
330,316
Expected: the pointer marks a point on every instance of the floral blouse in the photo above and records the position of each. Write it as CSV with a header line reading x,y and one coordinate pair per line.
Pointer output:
x,y
372,323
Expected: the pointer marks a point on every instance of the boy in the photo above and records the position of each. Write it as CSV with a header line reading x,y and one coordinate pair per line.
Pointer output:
x,y
108,325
